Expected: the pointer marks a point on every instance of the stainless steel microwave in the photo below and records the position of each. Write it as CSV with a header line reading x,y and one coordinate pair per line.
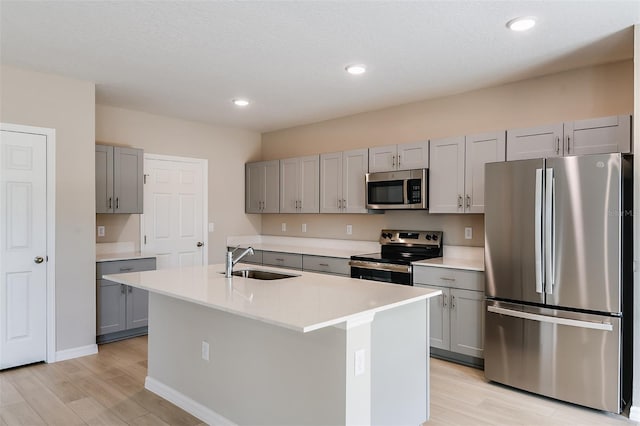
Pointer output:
x,y
402,189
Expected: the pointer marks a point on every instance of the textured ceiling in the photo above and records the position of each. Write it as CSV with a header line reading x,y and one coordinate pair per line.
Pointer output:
x,y
189,59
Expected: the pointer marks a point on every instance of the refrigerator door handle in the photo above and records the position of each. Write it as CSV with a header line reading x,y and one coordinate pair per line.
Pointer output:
x,y
605,326
538,232
549,237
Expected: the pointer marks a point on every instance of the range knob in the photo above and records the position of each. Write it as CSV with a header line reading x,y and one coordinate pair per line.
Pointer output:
x,y
435,237
428,237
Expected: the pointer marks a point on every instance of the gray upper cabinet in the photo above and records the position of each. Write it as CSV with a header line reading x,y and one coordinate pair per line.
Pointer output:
x,y
262,191
300,185
342,181
592,136
456,175
405,156
119,179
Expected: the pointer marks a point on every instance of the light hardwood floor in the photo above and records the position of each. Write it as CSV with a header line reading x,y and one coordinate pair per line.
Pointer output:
x,y
108,389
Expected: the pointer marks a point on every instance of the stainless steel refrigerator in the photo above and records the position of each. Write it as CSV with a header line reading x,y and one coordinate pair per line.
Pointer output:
x,y
558,255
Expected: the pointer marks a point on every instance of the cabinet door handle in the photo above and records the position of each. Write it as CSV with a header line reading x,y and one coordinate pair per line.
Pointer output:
x,y
344,204
393,160
323,264
339,204
558,145
460,201
444,300
122,289
468,201
126,269
129,289
447,279
568,144
279,259
398,160
110,202
117,202
453,302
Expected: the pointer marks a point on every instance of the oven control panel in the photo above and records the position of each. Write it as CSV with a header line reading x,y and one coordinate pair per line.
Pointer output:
x,y
427,238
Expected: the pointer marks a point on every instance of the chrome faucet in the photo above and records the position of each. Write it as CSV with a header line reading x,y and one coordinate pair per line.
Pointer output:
x,y
231,261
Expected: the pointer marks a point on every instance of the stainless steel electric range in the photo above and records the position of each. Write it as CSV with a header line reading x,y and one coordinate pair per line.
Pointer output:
x,y
397,250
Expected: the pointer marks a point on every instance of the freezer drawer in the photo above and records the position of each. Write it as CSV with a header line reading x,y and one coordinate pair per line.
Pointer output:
x,y
570,356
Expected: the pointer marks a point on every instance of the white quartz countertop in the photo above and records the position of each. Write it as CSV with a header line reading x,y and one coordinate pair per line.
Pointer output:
x,y
453,263
457,257
304,303
109,257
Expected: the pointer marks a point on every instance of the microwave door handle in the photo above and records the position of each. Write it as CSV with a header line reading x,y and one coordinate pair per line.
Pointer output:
x,y
405,187
538,232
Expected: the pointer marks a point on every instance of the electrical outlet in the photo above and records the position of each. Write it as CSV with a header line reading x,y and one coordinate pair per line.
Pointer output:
x,y
359,363
284,227
468,233
304,227
100,231
349,229
205,350
212,226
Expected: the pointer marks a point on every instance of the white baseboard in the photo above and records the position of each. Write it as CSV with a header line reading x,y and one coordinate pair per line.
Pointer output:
x,y
192,407
634,413
76,352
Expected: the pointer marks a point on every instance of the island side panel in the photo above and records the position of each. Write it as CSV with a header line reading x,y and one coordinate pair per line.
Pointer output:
x,y
257,373
400,365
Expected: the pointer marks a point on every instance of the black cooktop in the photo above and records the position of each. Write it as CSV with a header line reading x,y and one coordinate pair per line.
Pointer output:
x,y
404,247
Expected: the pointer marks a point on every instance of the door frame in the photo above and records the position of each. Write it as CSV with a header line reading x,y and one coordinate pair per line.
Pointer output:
x,y
204,163
50,134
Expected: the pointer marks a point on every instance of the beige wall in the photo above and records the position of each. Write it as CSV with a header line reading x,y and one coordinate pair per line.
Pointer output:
x,y
68,106
583,93
226,149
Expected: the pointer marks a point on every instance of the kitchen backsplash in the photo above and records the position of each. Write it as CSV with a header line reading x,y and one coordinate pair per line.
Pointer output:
x,y
367,226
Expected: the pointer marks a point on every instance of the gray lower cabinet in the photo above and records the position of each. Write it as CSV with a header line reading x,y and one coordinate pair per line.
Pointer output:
x,y
122,310
326,265
457,316
283,260
304,262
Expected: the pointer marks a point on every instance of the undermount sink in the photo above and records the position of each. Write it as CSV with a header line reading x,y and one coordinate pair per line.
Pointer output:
x,y
257,274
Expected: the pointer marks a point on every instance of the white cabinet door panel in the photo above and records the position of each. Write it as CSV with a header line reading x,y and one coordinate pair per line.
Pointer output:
x,y
413,156
480,149
289,185
467,322
355,165
382,158
331,183
598,135
535,142
446,175
309,184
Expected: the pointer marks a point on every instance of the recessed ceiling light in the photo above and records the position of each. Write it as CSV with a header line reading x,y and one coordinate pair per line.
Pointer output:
x,y
522,24
240,102
356,69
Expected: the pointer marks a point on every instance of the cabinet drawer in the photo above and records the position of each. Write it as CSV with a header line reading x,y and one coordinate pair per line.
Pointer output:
x,y
447,277
121,266
255,259
286,260
327,265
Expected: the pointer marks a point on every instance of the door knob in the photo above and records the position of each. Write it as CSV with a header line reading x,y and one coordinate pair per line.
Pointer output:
x,y
38,259
200,244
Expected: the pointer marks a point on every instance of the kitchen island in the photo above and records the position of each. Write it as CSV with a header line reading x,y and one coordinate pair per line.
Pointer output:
x,y
309,349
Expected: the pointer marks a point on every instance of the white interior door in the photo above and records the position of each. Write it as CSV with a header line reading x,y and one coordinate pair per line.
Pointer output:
x,y
23,248
175,211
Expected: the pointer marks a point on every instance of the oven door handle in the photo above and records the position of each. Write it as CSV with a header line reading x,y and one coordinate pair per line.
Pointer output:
x,y
380,266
